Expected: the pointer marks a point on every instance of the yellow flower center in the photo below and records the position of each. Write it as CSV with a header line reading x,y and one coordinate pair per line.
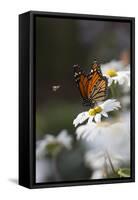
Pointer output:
x,y
94,111
111,72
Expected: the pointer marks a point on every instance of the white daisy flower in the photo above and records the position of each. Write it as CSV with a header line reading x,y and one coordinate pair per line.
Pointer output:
x,y
110,147
114,64
121,77
103,163
53,144
92,130
97,112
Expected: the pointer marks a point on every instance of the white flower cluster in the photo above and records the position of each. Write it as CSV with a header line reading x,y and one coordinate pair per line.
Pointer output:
x,y
111,148
115,64
116,72
120,77
94,115
63,139
97,112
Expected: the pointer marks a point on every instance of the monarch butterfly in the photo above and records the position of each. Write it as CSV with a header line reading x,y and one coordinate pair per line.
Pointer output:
x,y
93,86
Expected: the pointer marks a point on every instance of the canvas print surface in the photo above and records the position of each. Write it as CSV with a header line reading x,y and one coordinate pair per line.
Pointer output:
x,y
82,70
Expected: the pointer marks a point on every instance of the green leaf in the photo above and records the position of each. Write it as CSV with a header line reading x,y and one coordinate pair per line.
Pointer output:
x,y
124,172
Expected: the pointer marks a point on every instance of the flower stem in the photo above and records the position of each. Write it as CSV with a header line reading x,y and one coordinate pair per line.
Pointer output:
x,y
113,90
110,161
55,169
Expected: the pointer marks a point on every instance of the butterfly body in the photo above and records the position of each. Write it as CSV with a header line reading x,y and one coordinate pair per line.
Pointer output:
x,y
93,86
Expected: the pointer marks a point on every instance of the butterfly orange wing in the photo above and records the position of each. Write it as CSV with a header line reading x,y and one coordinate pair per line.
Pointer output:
x,y
82,81
92,87
97,87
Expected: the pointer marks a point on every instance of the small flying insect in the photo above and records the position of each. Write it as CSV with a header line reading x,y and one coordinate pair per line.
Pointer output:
x,y
55,88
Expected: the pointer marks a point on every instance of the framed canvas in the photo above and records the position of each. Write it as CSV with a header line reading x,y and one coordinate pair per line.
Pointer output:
x,y
76,99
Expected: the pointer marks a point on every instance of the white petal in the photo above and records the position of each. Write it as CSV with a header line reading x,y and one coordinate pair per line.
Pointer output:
x,y
110,104
80,118
92,135
90,119
85,130
115,80
65,139
98,117
114,64
104,114
109,79
79,131
123,77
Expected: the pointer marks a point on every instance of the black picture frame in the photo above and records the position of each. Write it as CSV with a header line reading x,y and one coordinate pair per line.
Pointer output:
x,y
27,100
